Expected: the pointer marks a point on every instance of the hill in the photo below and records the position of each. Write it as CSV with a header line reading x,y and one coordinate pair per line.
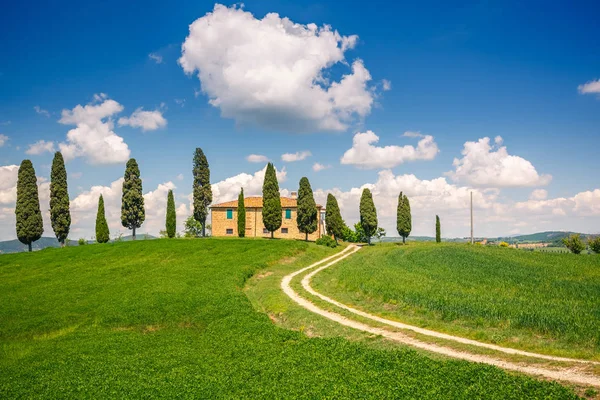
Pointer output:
x,y
169,319
549,236
14,246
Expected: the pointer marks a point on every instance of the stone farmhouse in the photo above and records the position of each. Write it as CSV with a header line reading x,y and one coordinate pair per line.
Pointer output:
x,y
224,219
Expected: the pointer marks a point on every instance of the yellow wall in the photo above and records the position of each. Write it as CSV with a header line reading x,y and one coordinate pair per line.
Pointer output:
x,y
254,225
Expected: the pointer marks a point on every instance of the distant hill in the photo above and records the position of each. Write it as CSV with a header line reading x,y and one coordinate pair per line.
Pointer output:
x,y
549,236
14,246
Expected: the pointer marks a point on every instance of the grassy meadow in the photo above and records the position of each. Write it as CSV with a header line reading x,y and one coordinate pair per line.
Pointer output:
x,y
170,319
543,302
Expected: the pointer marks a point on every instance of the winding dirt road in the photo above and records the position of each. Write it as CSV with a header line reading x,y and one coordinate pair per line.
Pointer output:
x,y
564,374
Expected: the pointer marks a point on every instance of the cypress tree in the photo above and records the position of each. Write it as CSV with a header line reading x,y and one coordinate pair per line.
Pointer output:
x,y
202,188
132,206
307,209
30,225
60,216
102,232
403,218
271,213
171,222
333,219
368,214
438,231
241,215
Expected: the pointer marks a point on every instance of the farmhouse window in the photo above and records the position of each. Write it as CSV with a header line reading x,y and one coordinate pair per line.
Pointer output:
x,y
230,214
229,231
288,214
284,230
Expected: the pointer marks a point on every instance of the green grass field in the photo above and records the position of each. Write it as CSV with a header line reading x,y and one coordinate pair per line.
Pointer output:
x,y
169,319
548,303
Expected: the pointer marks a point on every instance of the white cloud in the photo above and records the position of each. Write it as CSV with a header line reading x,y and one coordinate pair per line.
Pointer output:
x,y
39,147
386,85
590,87
364,154
157,58
539,194
298,156
93,136
180,102
147,120
8,183
487,165
257,158
180,177
412,134
320,167
3,140
229,189
274,73
41,111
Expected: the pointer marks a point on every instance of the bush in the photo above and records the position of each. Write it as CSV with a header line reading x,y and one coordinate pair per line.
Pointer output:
x,y
574,243
326,241
594,243
503,244
82,241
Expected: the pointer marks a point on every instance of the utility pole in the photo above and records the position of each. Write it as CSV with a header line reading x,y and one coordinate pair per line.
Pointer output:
x,y
471,217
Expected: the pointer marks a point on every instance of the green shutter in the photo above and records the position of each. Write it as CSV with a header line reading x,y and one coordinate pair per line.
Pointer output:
x,y
288,214
229,214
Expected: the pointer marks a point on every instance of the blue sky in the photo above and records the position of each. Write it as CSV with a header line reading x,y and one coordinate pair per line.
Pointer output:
x,y
526,72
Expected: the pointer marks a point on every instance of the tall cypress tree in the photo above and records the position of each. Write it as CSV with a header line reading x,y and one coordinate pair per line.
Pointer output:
x,y
60,216
333,219
307,209
30,225
102,232
132,206
271,213
403,218
202,188
438,230
171,223
368,214
241,215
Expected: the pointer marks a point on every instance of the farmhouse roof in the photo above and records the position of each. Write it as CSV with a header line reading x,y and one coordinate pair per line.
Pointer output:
x,y
257,202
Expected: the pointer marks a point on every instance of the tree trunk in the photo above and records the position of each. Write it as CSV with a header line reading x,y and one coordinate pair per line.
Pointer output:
x,y
306,233
403,239
272,235
29,245
133,236
204,229
369,240
62,243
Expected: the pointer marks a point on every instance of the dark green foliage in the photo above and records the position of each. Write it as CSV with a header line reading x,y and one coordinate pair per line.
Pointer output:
x,y
574,243
403,219
202,188
241,215
594,243
169,319
102,231
30,225
358,235
368,214
307,209
271,213
333,219
133,213
171,223
192,228
60,216
438,231
326,240
82,242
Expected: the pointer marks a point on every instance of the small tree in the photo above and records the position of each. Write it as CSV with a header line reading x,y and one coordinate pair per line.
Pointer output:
x,y
60,215
102,231
403,219
202,188
29,222
192,228
594,243
171,223
241,215
333,219
271,214
574,243
133,213
307,209
438,232
368,214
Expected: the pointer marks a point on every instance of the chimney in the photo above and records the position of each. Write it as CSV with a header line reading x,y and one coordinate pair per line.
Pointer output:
x,y
294,195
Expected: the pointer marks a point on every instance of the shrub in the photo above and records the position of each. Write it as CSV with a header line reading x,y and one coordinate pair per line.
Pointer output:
x,y
503,244
82,241
326,241
594,243
574,243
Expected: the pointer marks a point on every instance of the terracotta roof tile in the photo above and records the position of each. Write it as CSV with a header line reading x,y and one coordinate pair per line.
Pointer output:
x,y
256,202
